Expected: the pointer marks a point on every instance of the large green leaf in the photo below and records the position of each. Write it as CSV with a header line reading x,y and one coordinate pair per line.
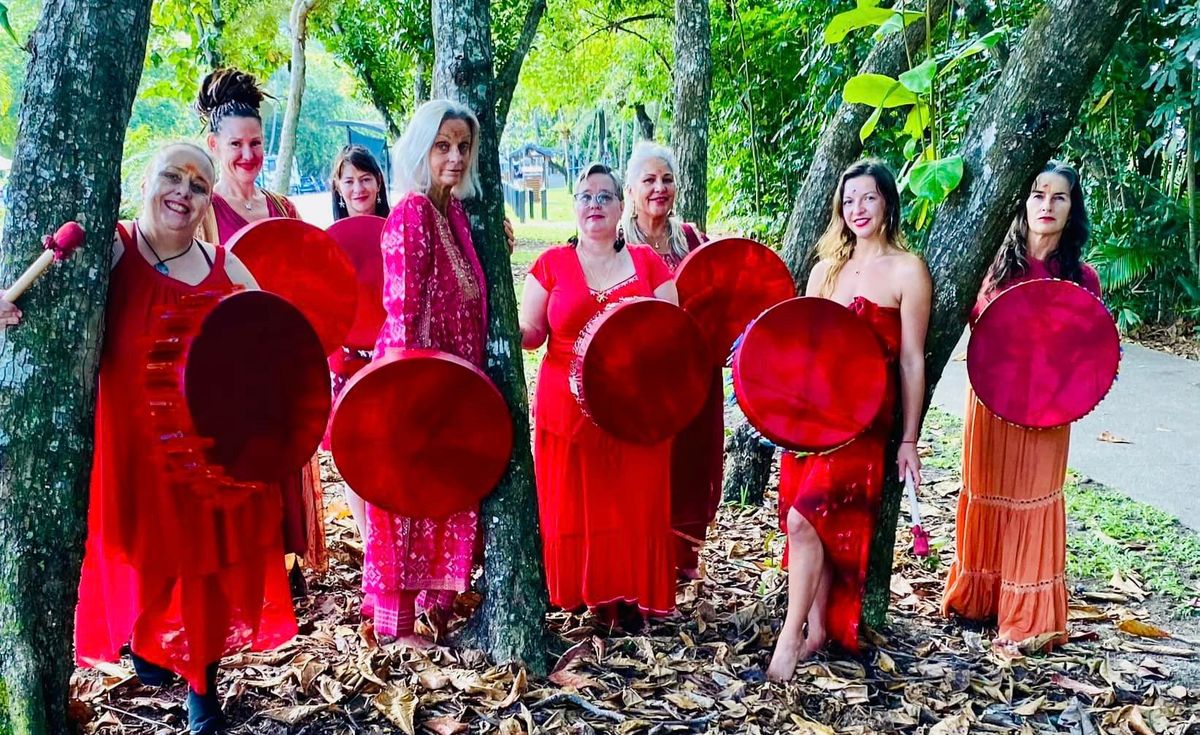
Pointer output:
x,y
983,43
868,127
919,79
917,121
934,180
866,15
6,25
877,90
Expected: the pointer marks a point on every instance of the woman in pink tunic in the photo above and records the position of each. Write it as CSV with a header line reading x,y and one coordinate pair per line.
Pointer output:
x,y
435,297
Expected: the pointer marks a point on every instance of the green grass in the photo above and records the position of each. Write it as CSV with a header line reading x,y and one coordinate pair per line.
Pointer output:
x,y
560,222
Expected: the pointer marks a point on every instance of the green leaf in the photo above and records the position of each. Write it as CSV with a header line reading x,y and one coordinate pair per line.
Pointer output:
x,y
934,180
5,24
1102,103
868,127
877,90
984,42
917,121
866,15
919,79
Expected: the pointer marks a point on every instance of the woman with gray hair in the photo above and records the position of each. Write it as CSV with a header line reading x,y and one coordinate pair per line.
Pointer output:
x,y
697,462
436,298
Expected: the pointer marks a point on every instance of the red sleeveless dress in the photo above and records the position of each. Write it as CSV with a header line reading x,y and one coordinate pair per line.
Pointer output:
x,y
839,492
604,504
183,582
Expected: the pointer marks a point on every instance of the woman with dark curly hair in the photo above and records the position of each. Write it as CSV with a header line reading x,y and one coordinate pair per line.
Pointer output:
x,y
1011,538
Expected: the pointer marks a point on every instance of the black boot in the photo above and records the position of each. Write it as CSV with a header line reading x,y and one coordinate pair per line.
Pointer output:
x,y
204,711
151,675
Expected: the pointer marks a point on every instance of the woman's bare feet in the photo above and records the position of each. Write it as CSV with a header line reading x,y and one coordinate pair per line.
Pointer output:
x,y
421,643
691,574
788,652
815,639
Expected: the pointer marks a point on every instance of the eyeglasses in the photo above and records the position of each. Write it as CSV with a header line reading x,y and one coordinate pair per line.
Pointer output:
x,y
603,199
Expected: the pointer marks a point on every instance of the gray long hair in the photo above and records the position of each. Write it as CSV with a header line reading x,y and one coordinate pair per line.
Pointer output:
x,y
410,156
644,152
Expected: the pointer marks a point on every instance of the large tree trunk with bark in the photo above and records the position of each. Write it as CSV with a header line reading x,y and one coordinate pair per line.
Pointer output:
x,y
298,22
82,77
693,89
748,468
1015,131
510,623
645,124
839,147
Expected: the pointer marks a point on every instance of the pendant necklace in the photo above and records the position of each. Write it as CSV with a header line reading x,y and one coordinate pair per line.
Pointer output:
x,y
161,265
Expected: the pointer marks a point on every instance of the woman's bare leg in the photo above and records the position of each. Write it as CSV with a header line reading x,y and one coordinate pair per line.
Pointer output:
x,y
815,639
806,560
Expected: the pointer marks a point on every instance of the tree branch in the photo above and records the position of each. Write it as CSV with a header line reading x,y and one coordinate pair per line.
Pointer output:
x,y
506,80
614,26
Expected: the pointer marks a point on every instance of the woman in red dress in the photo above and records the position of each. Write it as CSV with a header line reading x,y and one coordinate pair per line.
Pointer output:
x,y
830,502
228,102
180,581
698,453
436,298
1011,536
604,504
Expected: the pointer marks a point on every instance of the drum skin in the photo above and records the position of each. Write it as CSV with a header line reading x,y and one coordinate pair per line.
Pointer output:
x,y
359,237
810,375
238,390
421,433
642,370
1043,353
303,264
726,283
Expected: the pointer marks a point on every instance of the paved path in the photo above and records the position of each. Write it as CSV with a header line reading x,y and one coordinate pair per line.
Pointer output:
x,y
1155,405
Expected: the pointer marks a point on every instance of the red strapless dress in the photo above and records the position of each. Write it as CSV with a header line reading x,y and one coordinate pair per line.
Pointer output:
x,y
839,492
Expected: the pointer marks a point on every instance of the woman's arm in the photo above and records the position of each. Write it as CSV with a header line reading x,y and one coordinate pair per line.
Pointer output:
x,y
916,293
667,292
10,315
237,271
532,316
815,278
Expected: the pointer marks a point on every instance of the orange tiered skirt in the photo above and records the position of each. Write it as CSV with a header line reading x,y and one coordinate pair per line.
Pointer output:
x,y
1011,539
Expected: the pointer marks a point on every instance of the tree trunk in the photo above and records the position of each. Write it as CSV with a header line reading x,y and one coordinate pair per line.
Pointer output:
x,y
215,59
291,119
420,78
1193,219
748,468
83,74
644,124
693,88
509,623
838,148
1013,133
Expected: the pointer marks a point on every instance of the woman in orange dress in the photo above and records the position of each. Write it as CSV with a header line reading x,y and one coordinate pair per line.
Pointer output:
x,y
179,580
1011,538
604,504
228,103
698,452
830,502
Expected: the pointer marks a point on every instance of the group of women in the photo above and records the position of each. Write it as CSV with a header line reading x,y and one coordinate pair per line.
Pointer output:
x,y
177,583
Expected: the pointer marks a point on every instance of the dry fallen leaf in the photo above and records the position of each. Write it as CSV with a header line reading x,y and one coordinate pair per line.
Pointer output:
x,y
1138,628
1111,438
445,725
399,705
292,716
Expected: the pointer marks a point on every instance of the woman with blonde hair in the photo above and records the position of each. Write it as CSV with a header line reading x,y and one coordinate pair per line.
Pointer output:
x,y
436,298
698,452
829,503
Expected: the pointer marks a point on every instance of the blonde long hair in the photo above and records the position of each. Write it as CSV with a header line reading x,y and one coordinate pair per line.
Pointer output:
x,y
645,151
837,243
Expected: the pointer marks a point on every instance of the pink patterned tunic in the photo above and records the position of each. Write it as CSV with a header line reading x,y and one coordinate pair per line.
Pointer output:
x,y
435,297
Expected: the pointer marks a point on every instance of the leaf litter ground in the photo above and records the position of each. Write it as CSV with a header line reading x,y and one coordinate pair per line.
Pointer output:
x,y
1131,666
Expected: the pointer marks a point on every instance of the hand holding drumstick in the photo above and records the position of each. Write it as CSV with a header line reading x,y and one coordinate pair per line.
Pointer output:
x,y
58,246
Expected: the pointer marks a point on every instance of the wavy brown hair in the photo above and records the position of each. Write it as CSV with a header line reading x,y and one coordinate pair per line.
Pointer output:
x,y
1011,259
837,243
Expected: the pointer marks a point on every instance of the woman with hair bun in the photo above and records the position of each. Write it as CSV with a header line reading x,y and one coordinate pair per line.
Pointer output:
x,y
229,103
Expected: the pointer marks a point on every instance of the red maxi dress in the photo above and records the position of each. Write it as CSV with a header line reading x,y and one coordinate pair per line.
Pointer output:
x,y
304,500
435,296
697,457
182,581
604,504
839,492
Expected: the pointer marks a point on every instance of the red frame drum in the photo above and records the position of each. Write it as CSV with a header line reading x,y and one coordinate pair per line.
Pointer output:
x,y
642,370
1043,353
304,265
421,433
726,283
810,375
238,391
359,237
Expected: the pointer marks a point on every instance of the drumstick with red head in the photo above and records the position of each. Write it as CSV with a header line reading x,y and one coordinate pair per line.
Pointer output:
x,y
920,536
59,246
